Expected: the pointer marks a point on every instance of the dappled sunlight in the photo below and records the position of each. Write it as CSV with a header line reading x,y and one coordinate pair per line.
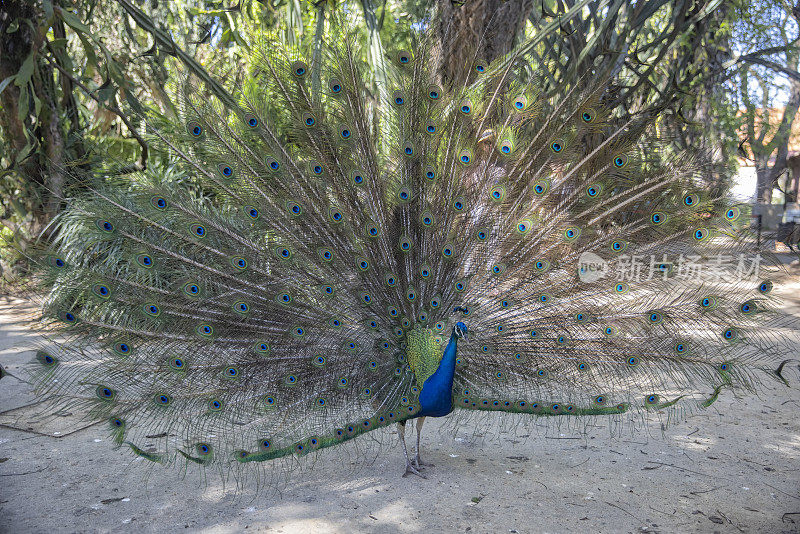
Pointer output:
x,y
788,447
700,444
16,324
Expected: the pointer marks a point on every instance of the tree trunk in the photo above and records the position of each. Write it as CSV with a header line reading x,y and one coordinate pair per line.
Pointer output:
x,y
52,140
14,49
793,184
479,29
37,145
764,182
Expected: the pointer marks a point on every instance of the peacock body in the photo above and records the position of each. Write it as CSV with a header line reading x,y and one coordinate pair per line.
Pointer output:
x,y
347,261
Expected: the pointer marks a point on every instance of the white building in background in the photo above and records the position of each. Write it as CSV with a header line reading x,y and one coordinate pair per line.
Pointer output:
x,y
743,186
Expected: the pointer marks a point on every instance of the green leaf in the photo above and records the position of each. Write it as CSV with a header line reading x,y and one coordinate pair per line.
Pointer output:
x,y
106,91
133,102
22,110
37,105
25,71
60,43
72,20
47,6
7,81
14,26
91,56
22,154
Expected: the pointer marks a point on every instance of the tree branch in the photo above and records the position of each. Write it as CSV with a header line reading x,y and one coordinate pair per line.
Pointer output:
x,y
165,41
749,58
114,109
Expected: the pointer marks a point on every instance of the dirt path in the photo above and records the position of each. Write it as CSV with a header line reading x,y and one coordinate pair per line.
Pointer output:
x,y
732,468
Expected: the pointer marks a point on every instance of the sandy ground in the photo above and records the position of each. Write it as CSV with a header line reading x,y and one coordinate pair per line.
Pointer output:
x,y
732,468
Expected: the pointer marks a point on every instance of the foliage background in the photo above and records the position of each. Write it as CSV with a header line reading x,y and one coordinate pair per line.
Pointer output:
x,y
75,74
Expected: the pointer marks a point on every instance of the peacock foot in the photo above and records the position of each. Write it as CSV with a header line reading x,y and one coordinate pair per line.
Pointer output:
x,y
411,470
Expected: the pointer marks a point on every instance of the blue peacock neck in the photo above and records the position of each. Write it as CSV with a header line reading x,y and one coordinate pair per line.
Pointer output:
x,y
436,397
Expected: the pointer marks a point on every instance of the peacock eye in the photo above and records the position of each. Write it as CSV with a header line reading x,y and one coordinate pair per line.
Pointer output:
x,y
299,69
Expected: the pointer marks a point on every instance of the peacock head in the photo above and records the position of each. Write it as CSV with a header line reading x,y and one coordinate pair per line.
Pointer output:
x,y
460,330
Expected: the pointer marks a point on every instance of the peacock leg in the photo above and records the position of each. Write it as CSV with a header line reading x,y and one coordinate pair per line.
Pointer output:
x,y
418,463
410,469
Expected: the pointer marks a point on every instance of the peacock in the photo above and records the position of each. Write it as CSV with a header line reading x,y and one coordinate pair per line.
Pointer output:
x,y
342,256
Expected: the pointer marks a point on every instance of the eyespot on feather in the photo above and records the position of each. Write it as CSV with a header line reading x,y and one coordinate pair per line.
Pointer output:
x,y
299,69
